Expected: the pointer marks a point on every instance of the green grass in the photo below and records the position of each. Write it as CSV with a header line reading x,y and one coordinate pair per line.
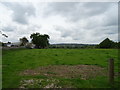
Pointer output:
x,y
15,61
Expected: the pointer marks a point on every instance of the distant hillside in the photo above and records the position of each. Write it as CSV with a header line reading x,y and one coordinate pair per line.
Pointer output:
x,y
71,45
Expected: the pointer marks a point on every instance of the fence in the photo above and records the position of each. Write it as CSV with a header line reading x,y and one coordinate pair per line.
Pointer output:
x,y
111,71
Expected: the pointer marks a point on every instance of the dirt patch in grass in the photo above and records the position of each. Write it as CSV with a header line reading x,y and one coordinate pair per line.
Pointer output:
x,y
66,71
39,83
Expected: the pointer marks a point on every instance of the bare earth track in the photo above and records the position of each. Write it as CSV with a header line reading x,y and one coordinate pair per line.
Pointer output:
x,y
81,71
65,71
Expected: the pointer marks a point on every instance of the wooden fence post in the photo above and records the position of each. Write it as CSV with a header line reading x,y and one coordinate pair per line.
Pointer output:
x,y
111,71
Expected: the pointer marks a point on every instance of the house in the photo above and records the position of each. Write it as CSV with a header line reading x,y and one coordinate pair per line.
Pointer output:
x,y
30,45
16,44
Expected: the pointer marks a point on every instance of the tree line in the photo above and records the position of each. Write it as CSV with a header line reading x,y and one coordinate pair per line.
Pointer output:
x,y
40,41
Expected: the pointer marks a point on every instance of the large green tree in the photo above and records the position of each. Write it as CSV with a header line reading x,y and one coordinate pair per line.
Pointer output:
x,y
107,43
41,41
23,41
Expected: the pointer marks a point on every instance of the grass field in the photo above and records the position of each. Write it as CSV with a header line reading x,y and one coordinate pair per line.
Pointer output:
x,y
20,68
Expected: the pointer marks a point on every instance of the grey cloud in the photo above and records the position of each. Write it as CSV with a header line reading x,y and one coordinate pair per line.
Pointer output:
x,y
33,28
63,6
9,28
76,11
93,8
105,30
93,35
112,20
107,19
75,33
65,9
111,30
21,11
84,22
64,32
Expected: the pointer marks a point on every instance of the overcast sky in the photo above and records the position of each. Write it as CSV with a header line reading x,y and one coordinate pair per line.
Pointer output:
x,y
64,22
